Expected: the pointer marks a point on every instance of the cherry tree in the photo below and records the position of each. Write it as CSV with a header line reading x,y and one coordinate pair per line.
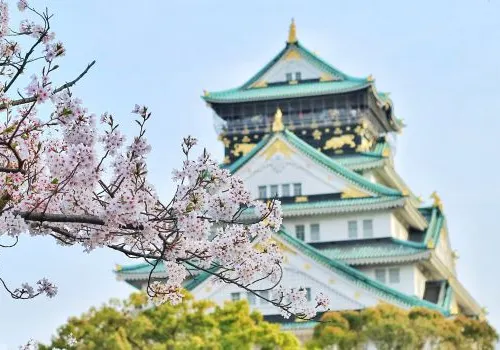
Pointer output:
x,y
73,176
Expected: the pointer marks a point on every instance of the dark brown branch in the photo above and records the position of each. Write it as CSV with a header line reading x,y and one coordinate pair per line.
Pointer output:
x,y
59,89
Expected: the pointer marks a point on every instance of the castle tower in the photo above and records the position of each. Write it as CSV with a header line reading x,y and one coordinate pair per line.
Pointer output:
x,y
321,141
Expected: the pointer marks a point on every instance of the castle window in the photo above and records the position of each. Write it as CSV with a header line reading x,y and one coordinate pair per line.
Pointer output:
x,y
394,275
264,294
262,192
367,228
289,76
298,76
308,294
252,299
285,190
274,191
352,228
300,232
380,275
235,296
314,232
297,189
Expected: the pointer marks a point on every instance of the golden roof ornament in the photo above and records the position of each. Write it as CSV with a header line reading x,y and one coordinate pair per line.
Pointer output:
x,y
292,33
278,121
437,201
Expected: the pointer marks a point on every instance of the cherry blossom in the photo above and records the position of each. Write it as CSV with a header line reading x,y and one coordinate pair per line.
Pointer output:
x,y
82,182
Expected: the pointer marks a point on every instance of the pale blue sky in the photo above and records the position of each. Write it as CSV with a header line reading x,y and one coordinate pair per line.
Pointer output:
x,y
439,59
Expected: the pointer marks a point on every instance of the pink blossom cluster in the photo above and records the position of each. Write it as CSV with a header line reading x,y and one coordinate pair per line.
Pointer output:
x,y
65,176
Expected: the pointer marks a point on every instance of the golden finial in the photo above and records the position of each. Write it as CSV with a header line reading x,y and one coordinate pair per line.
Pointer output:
x,y
437,201
118,267
292,33
370,78
278,121
205,93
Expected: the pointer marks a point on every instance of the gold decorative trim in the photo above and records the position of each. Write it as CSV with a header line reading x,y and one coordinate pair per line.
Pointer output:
x,y
292,55
259,84
292,33
278,121
278,146
118,267
301,199
293,82
431,244
317,134
437,201
326,77
340,141
245,139
242,148
386,152
307,266
352,192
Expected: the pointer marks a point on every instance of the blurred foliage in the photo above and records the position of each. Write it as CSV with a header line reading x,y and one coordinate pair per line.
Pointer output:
x,y
391,328
135,324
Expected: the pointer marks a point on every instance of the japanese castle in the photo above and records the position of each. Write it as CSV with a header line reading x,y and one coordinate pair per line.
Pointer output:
x,y
323,143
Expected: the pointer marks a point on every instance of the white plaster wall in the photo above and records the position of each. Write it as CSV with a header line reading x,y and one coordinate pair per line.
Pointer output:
x,y
420,280
407,277
294,168
334,227
278,72
398,229
444,252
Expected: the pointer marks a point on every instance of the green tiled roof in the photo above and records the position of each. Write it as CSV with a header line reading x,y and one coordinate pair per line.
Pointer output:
x,y
310,57
141,269
289,326
359,277
375,251
285,91
323,257
319,158
345,205
343,82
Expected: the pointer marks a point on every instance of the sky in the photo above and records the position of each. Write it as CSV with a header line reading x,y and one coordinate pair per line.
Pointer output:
x,y
439,59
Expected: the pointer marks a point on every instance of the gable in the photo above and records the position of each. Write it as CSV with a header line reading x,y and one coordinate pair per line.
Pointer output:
x,y
279,162
293,61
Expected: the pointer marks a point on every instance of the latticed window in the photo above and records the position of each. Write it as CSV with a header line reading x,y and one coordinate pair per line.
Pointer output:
x,y
298,76
285,190
380,275
367,228
274,191
315,232
394,275
297,189
252,299
289,76
262,192
352,228
300,232
235,296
